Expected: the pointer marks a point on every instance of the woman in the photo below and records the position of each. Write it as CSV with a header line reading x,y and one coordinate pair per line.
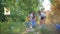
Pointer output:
x,y
33,22
42,17
33,19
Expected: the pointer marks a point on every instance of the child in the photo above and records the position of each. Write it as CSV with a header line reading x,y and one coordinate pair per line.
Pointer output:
x,y
27,21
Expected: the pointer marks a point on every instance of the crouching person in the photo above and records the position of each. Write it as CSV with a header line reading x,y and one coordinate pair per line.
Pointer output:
x,y
27,23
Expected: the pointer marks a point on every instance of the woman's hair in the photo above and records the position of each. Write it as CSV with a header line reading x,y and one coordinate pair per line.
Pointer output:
x,y
42,18
33,17
39,12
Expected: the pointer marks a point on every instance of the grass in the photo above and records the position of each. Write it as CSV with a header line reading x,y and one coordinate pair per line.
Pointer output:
x,y
12,27
18,27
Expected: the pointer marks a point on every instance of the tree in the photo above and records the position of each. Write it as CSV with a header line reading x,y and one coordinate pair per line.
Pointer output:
x,y
56,9
2,18
26,5
21,8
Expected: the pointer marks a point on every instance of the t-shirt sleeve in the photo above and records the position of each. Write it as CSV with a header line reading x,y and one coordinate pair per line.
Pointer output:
x,y
43,15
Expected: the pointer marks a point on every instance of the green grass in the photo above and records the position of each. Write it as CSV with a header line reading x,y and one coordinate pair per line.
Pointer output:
x,y
18,27
12,27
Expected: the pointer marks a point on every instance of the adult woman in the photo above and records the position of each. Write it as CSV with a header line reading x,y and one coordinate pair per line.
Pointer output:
x,y
33,19
42,17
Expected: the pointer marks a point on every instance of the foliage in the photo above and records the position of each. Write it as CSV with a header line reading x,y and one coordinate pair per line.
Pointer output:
x,y
12,27
14,23
45,31
22,5
1,11
56,10
56,3
20,8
